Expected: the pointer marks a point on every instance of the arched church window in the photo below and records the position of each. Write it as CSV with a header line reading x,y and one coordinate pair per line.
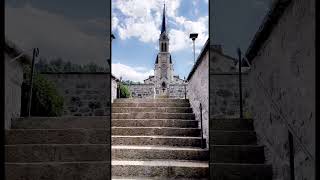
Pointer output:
x,y
163,85
165,47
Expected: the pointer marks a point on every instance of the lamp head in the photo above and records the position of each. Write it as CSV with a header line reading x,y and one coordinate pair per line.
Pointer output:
x,y
193,36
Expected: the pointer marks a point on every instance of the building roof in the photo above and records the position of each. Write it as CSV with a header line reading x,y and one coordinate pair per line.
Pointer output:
x,y
269,22
150,77
157,60
163,27
13,51
115,78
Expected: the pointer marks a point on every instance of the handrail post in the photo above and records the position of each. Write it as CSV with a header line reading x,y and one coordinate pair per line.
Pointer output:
x,y
240,84
291,155
185,91
118,96
201,126
35,54
119,84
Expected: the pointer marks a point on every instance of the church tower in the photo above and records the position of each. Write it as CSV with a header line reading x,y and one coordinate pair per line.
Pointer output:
x,y
163,65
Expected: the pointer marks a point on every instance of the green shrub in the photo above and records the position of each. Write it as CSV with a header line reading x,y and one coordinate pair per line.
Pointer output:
x,y
124,91
45,98
247,115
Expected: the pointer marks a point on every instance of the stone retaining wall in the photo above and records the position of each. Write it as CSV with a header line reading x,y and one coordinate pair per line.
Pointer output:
x,y
197,92
224,95
148,91
224,86
13,82
114,88
85,94
282,91
177,91
142,90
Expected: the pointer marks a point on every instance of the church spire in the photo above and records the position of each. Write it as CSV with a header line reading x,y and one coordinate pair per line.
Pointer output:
x,y
163,27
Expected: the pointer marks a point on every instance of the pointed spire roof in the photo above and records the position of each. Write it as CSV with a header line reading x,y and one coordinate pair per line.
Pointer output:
x,y
163,27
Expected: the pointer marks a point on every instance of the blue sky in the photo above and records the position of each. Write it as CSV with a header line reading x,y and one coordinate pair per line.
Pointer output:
x,y
235,22
136,25
76,30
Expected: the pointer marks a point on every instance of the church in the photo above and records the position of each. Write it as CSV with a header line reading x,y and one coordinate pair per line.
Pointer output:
x,y
164,77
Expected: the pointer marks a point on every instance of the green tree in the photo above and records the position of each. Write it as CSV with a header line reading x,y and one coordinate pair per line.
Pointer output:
x,y
124,91
60,65
46,100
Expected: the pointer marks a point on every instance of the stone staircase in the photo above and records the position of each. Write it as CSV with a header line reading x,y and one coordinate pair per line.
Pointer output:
x,y
64,148
156,139
234,153
151,139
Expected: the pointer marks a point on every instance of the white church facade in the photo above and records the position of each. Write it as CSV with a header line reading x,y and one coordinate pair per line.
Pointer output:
x,y
164,83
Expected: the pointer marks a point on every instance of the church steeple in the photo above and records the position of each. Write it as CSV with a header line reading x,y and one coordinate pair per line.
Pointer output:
x,y
163,27
164,39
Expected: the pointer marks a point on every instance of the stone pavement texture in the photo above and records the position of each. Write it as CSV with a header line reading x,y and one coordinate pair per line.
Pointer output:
x,y
157,139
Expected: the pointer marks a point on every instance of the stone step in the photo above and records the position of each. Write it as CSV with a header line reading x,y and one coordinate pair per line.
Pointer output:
x,y
237,154
61,122
150,104
233,138
153,178
161,168
154,115
158,152
57,136
152,109
231,124
57,152
153,131
157,141
240,171
154,123
145,100
58,171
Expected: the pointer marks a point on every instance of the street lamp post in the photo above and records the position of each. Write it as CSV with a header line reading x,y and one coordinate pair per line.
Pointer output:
x,y
194,36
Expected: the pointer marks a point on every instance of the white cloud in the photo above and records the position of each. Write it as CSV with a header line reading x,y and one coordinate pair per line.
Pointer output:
x,y
55,35
142,20
131,73
145,31
180,38
115,22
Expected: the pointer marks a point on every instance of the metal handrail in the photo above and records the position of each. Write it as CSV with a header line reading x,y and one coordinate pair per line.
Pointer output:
x,y
240,84
285,122
200,107
292,133
35,54
185,90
